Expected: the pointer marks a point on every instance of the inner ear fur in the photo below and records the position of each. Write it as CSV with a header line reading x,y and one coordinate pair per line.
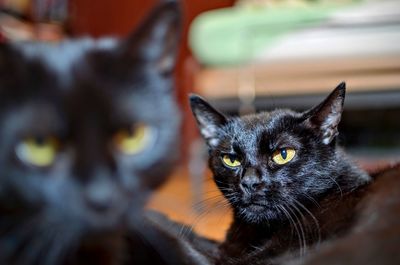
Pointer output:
x,y
326,116
208,119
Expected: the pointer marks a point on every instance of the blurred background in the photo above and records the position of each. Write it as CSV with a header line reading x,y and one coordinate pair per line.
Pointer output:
x,y
246,56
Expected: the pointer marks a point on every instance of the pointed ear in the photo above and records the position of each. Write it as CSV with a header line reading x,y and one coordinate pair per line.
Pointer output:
x,y
326,116
156,39
208,119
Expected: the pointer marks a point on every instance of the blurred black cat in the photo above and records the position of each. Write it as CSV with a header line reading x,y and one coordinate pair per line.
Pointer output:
x,y
288,183
88,128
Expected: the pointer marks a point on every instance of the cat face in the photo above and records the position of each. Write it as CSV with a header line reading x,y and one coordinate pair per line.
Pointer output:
x,y
86,129
272,162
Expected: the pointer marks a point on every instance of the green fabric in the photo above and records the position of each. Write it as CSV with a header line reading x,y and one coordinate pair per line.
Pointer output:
x,y
236,35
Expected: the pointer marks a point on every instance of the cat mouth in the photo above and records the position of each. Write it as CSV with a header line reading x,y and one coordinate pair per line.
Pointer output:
x,y
256,206
257,212
256,201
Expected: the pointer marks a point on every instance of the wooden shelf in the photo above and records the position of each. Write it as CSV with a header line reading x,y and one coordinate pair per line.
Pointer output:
x,y
301,77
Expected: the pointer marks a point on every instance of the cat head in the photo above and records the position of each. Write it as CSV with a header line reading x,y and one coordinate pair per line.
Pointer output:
x,y
265,163
87,127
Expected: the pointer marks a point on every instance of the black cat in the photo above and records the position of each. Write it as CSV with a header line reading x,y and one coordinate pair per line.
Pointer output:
x,y
88,128
289,184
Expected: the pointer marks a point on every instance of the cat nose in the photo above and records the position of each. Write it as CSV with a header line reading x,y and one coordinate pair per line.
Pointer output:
x,y
99,205
99,195
250,183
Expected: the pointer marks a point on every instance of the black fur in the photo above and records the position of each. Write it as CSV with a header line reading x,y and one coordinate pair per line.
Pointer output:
x,y
81,208
375,236
286,208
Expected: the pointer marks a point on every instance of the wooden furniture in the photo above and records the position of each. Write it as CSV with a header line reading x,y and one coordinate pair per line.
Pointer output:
x,y
371,82
358,45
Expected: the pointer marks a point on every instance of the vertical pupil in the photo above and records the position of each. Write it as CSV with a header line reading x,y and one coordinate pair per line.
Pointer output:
x,y
40,140
283,153
232,159
131,131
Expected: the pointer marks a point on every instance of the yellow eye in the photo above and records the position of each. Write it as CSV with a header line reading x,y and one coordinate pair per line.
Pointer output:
x,y
283,155
39,152
231,160
133,141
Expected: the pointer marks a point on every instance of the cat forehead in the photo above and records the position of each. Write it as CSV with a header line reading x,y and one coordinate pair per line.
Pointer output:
x,y
61,57
45,72
250,133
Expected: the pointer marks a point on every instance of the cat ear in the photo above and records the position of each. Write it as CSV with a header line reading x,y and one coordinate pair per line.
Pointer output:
x,y
326,116
156,40
208,119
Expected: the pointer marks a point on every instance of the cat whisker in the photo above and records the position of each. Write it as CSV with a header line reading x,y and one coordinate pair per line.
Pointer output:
x,y
260,249
312,216
58,245
213,196
30,243
281,211
33,248
222,197
291,221
222,183
217,195
299,229
220,204
62,242
211,206
211,192
301,237
337,184
16,236
205,203
310,198
302,221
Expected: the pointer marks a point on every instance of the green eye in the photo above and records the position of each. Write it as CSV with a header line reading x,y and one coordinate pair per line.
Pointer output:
x,y
133,141
39,152
231,160
283,155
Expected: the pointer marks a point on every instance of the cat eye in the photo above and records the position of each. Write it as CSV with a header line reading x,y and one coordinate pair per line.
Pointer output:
x,y
133,140
231,160
37,151
283,155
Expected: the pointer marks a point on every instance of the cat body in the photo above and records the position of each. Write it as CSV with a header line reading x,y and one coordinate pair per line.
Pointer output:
x,y
288,183
88,129
375,236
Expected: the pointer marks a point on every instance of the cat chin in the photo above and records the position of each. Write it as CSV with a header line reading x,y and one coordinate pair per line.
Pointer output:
x,y
257,214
